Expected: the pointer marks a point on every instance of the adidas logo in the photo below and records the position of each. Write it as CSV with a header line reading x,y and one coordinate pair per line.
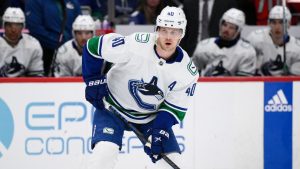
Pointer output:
x,y
278,103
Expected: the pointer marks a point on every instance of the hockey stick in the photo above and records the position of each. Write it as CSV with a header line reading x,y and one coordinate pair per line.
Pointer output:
x,y
60,40
285,68
137,132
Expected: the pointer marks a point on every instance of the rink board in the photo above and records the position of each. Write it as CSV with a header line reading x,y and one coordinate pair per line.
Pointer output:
x,y
48,125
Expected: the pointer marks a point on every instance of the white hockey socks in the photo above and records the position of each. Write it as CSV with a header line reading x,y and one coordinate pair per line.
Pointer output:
x,y
104,156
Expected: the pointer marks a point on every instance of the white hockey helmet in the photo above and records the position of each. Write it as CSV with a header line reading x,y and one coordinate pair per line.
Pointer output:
x,y
84,23
13,15
172,17
277,13
234,16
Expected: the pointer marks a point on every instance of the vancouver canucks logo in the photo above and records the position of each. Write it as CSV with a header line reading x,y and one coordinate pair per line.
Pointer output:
x,y
12,69
143,93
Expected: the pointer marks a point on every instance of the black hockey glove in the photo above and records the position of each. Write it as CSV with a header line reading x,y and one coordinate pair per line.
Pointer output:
x,y
95,90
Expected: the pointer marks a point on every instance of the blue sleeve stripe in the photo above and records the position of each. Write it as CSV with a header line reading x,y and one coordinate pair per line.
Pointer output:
x,y
100,45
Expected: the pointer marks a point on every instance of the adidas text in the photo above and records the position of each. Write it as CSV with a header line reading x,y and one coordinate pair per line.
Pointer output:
x,y
278,108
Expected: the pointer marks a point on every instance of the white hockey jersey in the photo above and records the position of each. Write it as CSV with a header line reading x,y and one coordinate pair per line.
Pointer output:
x,y
140,82
212,60
267,51
24,59
68,60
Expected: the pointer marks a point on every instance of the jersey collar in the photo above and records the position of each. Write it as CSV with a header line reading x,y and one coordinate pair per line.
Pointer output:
x,y
176,57
7,40
226,43
286,39
74,45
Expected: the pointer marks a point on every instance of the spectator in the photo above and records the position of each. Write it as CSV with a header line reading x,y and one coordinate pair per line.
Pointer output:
x,y
269,44
146,12
69,55
21,54
123,9
48,20
194,14
95,7
227,54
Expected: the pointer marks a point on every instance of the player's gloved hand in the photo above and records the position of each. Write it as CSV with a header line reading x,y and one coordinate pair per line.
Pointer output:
x,y
159,135
95,90
157,138
273,67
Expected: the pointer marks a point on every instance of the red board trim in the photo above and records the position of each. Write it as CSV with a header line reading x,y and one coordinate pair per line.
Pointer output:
x,y
201,79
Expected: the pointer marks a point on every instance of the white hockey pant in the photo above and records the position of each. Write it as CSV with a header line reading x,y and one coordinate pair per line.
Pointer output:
x,y
104,156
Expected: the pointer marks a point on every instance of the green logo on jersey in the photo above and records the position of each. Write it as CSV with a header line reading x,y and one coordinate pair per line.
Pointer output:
x,y
142,37
192,68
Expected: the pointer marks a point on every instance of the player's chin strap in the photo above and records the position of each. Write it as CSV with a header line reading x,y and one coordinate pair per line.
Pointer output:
x,y
137,132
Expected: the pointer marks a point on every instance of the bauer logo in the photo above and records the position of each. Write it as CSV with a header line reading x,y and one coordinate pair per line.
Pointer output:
x,y
278,97
6,128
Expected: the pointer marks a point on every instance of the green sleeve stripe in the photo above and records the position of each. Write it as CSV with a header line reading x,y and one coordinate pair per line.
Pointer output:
x,y
179,114
93,46
111,101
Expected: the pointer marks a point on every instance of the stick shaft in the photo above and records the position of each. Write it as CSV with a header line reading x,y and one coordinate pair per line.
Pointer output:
x,y
284,33
60,39
140,135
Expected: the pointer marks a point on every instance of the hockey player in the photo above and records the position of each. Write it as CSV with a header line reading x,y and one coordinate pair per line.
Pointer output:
x,y
20,54
151,85
69,55
227,54
269,45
